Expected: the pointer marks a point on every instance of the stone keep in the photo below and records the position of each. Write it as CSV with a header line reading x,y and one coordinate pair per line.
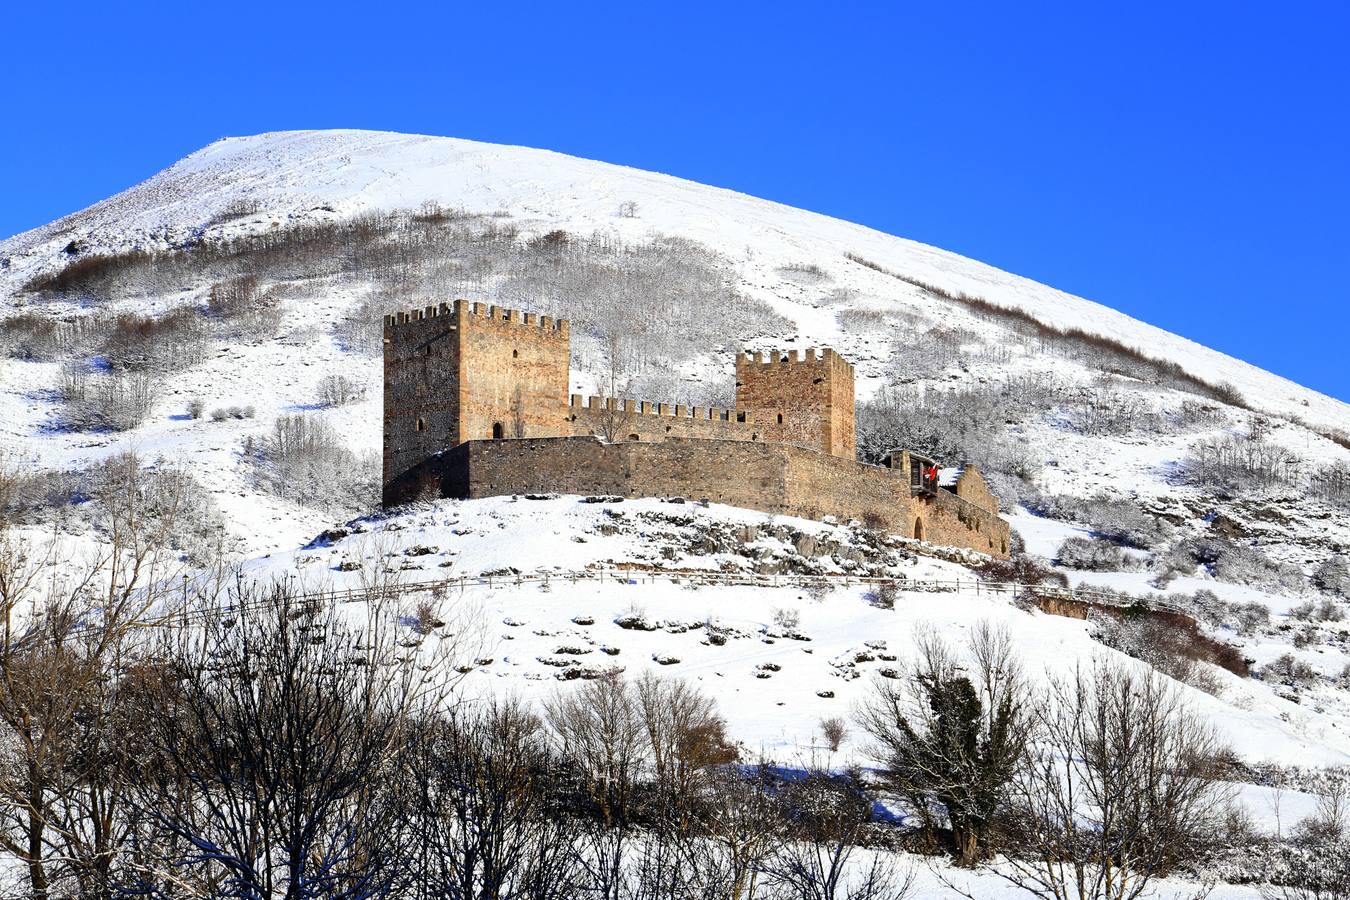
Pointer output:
x,y
466,372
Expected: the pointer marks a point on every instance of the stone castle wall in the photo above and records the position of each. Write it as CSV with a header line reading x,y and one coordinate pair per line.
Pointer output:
x,y
421,387
640,420
476,404
799,397
773,478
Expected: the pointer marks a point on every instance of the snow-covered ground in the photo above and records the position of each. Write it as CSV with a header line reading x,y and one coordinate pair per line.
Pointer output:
x,y
773,689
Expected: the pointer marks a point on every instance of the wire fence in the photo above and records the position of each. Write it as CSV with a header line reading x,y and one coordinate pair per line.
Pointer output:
x,y
695,578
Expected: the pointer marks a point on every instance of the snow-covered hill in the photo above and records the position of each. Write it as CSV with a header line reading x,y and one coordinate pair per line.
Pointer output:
x,y
307,175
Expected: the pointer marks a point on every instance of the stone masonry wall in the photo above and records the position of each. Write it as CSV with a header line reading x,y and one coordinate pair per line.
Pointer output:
x,y
972,487
620,420
798,397
775,478
513,373
421,387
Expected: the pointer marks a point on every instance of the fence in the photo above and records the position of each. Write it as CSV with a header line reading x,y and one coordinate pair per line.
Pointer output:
x,y
696,578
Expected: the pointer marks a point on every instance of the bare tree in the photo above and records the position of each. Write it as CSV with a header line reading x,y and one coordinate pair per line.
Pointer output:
x,y
480,822
1119,788
952,740
600,729
827,817
66,625
1315,863
281,725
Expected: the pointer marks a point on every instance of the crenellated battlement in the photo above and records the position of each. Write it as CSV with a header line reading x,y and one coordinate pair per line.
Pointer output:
x,y
483,313
809,356
597,403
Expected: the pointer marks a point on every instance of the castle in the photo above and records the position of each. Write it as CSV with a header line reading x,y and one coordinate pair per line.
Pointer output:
x,y
476,404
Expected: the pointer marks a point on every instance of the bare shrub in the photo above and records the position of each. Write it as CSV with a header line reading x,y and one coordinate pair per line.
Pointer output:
x,y
787,620
1238,464
174,341
950,426
361,331
884,595
1232,562
1093,556
828,815
834,730
28,336
195,408
238,208
1333,576
305,460
1176,652
628,209
1023,569
243,308
1332,483
1117,519
1120,788
112,402
1290,671
94,277
339,390
854,319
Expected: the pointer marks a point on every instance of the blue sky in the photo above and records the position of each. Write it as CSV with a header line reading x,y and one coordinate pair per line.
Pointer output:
x,y
1183,162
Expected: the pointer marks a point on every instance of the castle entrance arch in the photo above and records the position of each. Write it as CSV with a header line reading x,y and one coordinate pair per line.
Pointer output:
x,y
918,528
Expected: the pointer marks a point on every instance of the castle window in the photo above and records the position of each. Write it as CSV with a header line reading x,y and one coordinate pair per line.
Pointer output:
x,y
634,437
515,354
497,431
780,418
421,424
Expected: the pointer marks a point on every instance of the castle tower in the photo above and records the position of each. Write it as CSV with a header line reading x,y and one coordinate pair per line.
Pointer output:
x,y
799,397
468,372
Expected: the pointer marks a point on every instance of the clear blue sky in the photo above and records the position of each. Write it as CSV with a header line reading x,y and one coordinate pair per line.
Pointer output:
x,y
1186,163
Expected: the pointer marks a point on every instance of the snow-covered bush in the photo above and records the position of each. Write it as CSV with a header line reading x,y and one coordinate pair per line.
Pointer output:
x,y
1117,519
1103,408
787,620
952,427
1332,483
1176,652
1093,556
1289,670
339,390
1333,576
1240,464
306,461
112,402
172,342
1251,616
243,309
195,408
1229,561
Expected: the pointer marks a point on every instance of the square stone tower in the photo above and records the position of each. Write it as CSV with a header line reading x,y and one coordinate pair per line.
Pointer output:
x,y
465,372
798,397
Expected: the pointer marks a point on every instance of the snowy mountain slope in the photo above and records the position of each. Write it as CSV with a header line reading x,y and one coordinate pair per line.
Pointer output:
x,y
774,689
305,175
